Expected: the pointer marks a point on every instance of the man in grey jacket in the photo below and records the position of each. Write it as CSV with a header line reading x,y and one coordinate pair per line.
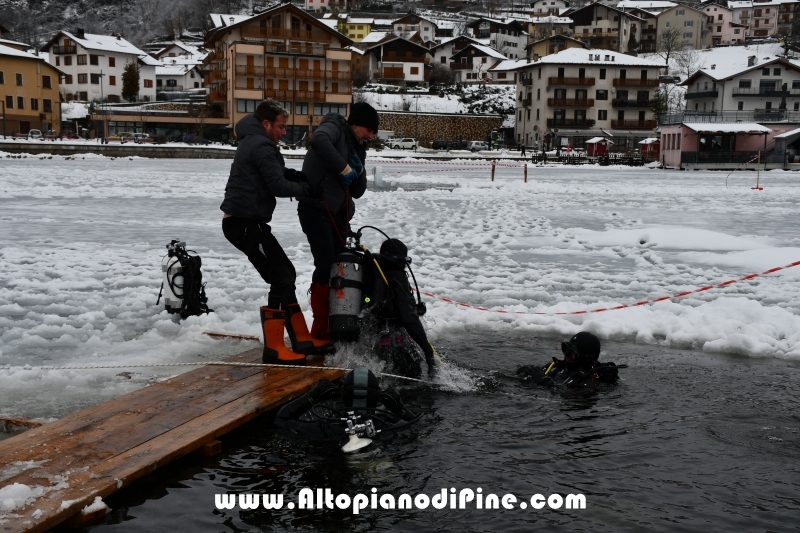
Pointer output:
x,y
259,175
335,161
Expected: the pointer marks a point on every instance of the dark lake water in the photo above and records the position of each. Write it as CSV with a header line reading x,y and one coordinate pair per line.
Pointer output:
x,y
688,441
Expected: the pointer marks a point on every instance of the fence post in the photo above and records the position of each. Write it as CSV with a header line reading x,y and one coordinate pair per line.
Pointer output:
x,y
493,167
525,166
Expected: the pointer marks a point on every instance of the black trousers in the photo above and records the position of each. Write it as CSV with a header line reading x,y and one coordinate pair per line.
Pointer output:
x,y
262,249
325,239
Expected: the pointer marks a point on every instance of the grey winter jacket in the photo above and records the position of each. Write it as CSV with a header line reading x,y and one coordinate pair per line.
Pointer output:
x,y
258,175
332,145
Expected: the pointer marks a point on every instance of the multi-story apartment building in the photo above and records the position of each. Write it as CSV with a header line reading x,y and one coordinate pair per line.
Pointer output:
x,y
773,17
578,94
356,28
545,8
690,22
541,27
409,24
606,27
759,89
444,52
719,22
741,13
176,78
93,66
506,36
472,63
29,92
649,28
282,53
551,45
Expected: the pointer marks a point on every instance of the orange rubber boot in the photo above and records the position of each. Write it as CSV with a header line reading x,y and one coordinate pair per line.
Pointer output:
x,y
302,341
275,351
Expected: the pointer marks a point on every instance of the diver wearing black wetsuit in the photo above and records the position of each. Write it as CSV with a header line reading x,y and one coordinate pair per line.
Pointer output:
x,y
393,310
319,413
578,370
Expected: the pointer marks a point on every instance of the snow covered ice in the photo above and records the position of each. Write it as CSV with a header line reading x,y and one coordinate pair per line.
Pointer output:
x,y
82,241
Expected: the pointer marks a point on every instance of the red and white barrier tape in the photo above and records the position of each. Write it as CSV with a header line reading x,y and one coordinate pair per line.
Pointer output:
x,y
485,164
625,306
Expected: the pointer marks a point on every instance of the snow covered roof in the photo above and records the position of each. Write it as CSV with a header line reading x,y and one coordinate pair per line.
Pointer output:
x,y
14,44
374,37
356,50
172,70
8,51
738,127
735,67
650,140
738,4
360,21
775,3
331,23
509,64
552,19
150,61
491,52
104,43
595,57
645,4
220,20
789,133
594,140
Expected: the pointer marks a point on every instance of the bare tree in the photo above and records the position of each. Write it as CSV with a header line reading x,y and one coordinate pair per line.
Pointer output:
x,y
688,62
669,42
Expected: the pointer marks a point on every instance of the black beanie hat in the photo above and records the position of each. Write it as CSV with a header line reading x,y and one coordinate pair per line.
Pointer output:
x,y
585,344
394,247
363,114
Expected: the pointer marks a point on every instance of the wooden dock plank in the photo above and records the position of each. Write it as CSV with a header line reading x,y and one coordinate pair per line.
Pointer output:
x,y
106,447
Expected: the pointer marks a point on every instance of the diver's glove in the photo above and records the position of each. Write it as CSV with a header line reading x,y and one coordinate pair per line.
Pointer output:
x,y
320,390
355,163
348,175
536,375
390,398
295,176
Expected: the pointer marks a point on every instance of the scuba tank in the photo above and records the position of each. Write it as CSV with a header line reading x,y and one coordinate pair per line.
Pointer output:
x,y
347,273
172,271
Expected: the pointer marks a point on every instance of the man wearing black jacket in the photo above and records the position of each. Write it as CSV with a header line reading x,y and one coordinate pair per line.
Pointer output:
x,y
258,176
335,162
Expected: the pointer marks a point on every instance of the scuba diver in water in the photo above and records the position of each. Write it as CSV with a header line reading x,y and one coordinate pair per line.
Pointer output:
x,y
392,312
578,370
349,413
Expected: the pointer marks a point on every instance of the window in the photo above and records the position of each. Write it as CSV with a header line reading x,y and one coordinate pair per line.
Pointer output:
x,y
679,12
796,84
602,94
537,114
602,73
9,102
96,78
67,61
34,104
538,94
112,80
19,78
745,84
21,102
58,61
687,35
540,72
324,109
666,24
112,61
688,23
83,78
47,105
719,17
246,106
736,31
147,83
68,78
719,29
301,108
2,78
414,70
94,59
797,106
82,59
756,12
776,72
768,105
46,82
765,72
602,114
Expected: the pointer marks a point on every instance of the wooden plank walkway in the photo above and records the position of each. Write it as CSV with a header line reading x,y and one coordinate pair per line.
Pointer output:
x,y
99,450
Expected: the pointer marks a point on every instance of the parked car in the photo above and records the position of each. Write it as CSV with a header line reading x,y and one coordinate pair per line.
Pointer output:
x,y
35,134
440,145
398,144
139,136
68,135
475,146
122,134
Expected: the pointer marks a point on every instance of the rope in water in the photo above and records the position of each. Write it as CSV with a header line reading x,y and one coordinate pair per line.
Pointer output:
x,y
206,363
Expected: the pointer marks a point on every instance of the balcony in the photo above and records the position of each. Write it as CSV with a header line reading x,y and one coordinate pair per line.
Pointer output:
x,y
527,102
634,124
60,49
688,95
599,35
583,82
218,96
635,82
460,66
527,82
570,123
169,88
216,76
570,102
390,58
648,31
630,103
283,33
761,91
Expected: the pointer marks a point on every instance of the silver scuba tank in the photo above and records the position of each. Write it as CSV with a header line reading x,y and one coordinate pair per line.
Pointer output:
x,y
173,277
347,274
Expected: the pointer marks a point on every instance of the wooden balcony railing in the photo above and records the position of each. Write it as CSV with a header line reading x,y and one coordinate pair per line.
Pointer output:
x,y
61,49
283,33
554,80
634,124
570,123
570,102
218,96
390,73
635,82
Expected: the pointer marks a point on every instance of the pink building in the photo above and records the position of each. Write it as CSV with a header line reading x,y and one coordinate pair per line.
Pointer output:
x,y
719,21
695,145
